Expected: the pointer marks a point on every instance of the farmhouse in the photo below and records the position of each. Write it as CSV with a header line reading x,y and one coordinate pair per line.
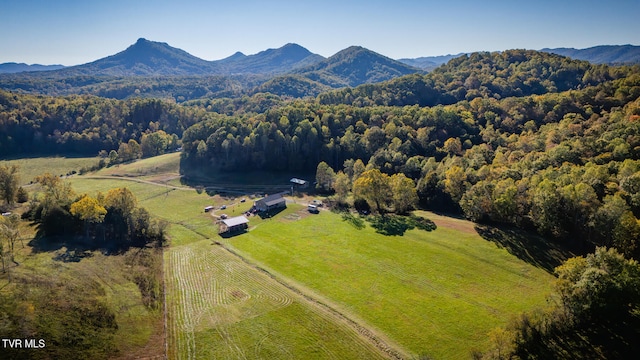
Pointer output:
x,y
233,224
271,202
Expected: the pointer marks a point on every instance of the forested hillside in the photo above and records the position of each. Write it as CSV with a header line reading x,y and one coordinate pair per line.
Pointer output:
x,y
85,125
517,137
496,75
520,138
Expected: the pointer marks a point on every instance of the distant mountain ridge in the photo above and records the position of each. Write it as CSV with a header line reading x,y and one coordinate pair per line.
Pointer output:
x,y
289,70
429,62
12,67
144,58
281,60
354,66
156,69
603,54
150,58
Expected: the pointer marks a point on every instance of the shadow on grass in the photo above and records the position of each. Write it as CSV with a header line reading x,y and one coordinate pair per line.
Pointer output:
x,y
356,222
230,234
270,213
396,225
530,248
75,248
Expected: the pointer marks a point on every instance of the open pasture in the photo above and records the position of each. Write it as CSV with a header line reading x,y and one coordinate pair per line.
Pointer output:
x,y
437,293
56,165
220,308
167,166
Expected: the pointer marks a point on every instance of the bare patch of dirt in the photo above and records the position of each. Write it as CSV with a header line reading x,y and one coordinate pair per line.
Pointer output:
x,y
461,225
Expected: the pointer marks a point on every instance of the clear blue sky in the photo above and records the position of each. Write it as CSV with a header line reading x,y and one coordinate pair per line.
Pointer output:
x,y
71,32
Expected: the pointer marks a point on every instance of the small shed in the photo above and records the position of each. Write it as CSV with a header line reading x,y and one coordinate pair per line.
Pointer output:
x,y
271,202
299,182
234,224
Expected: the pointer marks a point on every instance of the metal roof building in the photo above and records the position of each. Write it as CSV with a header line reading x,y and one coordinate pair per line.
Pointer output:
x,y
271,202
234,224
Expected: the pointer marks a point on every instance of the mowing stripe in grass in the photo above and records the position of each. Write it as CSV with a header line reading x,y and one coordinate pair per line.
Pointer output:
x,y
381,344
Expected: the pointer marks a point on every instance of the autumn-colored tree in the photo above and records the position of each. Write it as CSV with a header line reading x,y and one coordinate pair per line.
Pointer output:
x,y
9,183
454,182
56,191
325,176
88,210
375,187
405,195
453,146
341,186
122,199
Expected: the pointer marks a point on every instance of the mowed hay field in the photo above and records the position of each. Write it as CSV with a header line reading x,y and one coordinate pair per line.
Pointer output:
x,y
435,293
425,293
221,308
218,307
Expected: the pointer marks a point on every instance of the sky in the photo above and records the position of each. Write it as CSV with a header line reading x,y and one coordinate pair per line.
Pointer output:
x,y
72,32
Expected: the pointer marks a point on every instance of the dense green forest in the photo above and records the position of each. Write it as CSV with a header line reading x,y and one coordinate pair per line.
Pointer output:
x,y
85,124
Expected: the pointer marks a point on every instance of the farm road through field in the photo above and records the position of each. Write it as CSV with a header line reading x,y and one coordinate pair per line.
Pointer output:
x,y
218,306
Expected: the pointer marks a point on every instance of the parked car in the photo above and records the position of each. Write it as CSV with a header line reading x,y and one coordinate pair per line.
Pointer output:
x,y
223,207
223,216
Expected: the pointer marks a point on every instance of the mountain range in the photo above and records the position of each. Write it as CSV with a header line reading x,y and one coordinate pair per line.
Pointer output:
x,y
274,70
150,58
149,68
604,54
12,67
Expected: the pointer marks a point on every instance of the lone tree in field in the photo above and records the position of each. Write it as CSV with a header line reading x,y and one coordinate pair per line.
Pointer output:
x,y
375,187
9,234
9,183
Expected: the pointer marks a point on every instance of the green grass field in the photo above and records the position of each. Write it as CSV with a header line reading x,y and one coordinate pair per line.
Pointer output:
x,y
220,308
437,293
58,165
425,293
166,165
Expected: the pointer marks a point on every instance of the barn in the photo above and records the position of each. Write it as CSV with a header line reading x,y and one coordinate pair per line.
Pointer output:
x,y
271,202
233,224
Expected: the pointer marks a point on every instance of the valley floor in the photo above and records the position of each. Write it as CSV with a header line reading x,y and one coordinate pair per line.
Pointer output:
x,y
302,286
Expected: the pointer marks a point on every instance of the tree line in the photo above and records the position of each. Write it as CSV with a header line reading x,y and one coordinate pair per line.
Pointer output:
x,y
593,313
